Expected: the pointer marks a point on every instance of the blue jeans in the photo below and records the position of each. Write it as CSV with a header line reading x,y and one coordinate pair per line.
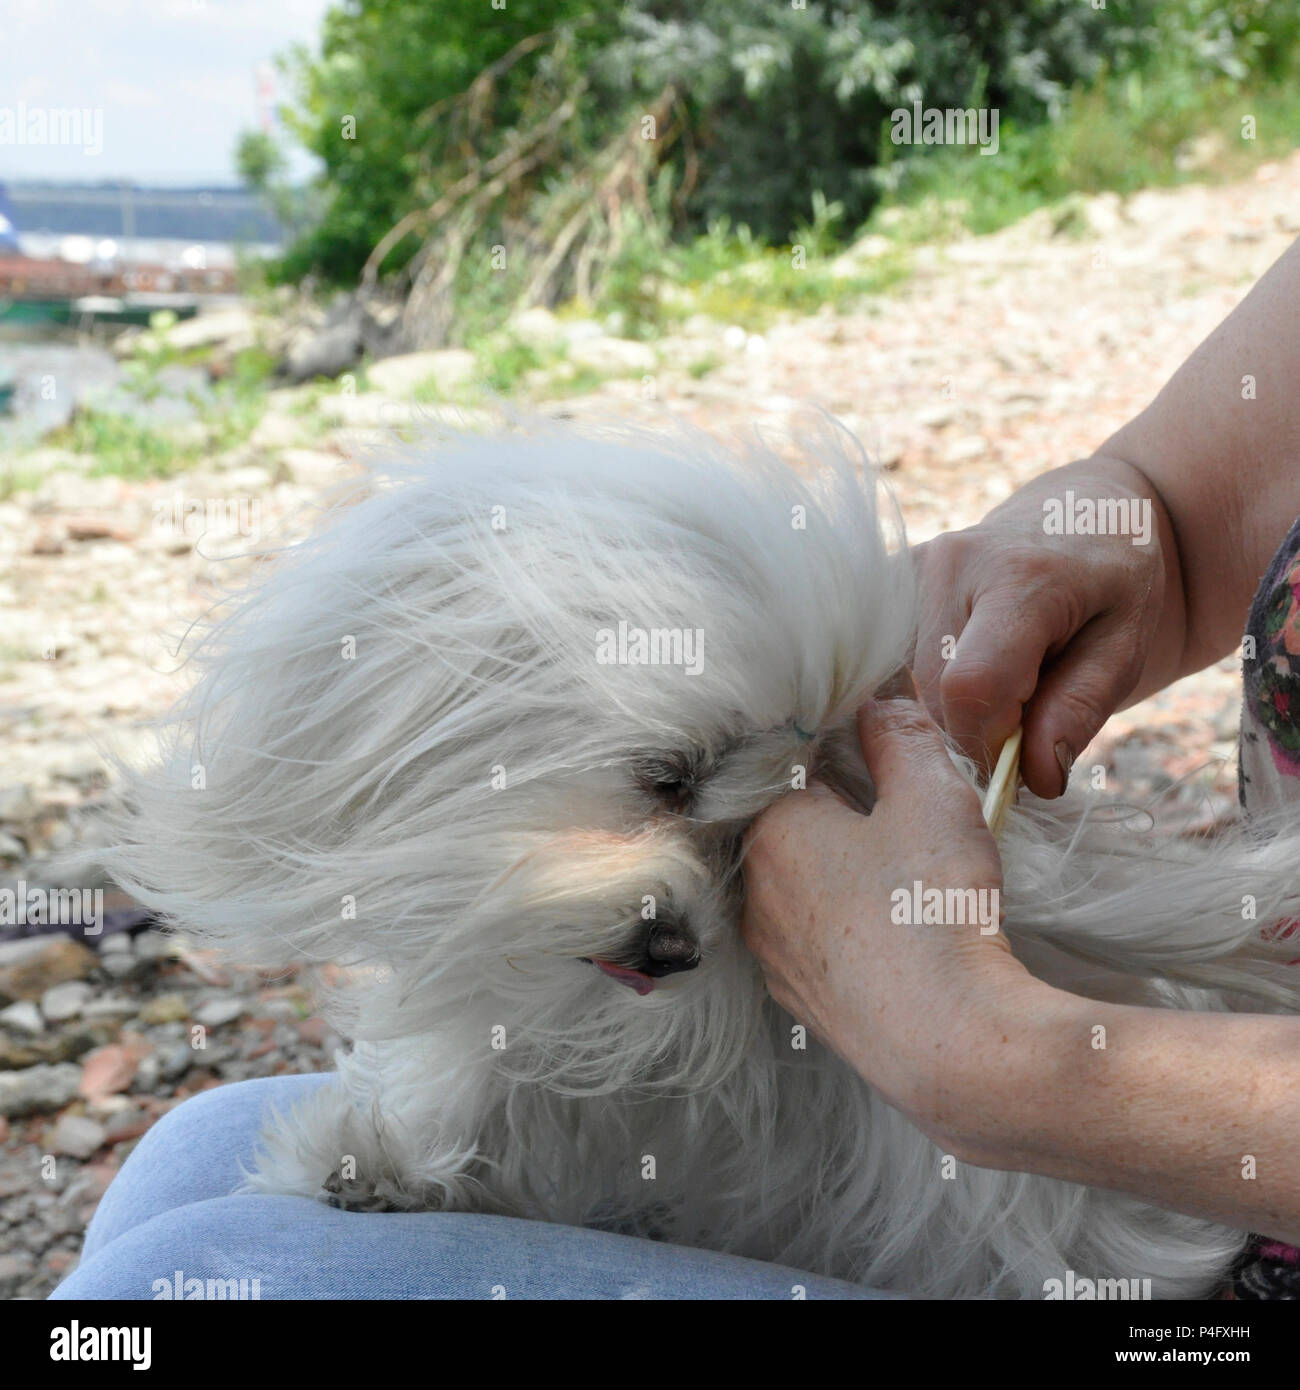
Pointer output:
x,y
169,1218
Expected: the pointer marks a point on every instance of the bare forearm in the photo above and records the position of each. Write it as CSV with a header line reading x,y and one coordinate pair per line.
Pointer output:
x,y
1221,447
1192,1111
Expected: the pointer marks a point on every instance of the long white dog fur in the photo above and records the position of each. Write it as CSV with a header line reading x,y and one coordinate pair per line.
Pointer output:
x,y
418,749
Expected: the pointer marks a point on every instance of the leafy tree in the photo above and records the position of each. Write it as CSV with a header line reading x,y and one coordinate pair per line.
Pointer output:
x,y
458,123
368,107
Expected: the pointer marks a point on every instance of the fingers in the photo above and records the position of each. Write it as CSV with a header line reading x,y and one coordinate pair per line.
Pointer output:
x,y
994,669
942,613
984,636
813,810
1048,641
909,762
1076,694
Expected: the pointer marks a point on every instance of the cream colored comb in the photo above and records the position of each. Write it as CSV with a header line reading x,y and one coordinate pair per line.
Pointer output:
x,y
1003,784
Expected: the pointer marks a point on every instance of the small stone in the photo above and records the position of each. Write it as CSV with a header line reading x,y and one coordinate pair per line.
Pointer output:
x,y
889,456
30,967
18,805
23,1017
90,1183
103,1108
14,1271
154,945
246,478
279,1009
146,1076
275,431
314,1031
43,1087
312,467
77,1136
213,327
936,417
327,352
613,355
109,1070
217,1012
966,449
130,1124
119,965
538,327
176,1062
445,369
166,1008
65,1001
15,1055
71,1042
94,528
110,1007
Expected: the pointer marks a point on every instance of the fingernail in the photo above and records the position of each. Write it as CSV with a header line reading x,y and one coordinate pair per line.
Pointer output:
x,y
1065,760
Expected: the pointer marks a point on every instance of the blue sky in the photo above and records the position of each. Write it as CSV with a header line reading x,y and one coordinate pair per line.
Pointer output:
x,y
173,79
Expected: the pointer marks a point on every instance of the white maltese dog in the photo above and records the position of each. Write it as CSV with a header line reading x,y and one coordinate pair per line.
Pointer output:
x,y
491,740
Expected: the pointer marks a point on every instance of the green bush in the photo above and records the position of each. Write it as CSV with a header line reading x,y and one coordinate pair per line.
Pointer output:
x,y
367,106
772,106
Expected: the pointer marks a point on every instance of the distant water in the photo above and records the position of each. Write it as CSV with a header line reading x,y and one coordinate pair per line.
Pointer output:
x,y
58,368
56,374
52,376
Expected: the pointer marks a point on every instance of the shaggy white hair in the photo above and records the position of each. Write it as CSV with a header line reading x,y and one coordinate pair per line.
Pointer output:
x,y
406,755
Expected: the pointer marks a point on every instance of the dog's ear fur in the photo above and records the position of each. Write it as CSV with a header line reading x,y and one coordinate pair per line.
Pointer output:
x,y
306,780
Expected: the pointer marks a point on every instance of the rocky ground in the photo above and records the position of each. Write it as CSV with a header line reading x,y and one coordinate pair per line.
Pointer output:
x,y
1002,356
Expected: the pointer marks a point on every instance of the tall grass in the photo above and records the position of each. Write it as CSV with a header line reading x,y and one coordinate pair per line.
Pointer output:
x,y
1118,135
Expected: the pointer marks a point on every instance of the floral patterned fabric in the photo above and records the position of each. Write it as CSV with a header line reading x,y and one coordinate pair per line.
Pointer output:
x,y
1269,775
1268,778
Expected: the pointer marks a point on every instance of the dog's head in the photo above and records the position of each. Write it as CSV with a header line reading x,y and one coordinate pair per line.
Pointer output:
x,y
501,725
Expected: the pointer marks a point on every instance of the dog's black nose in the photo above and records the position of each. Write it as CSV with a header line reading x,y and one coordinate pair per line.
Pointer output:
x,y
668,950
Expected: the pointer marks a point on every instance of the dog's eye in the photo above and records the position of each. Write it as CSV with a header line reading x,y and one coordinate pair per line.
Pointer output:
x,y
667,777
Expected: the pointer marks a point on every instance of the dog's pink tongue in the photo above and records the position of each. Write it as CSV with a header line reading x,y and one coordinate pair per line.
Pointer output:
x,y
633,979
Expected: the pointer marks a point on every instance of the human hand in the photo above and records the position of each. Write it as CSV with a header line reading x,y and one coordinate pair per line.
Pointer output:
x,y
914,1007
1053,632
